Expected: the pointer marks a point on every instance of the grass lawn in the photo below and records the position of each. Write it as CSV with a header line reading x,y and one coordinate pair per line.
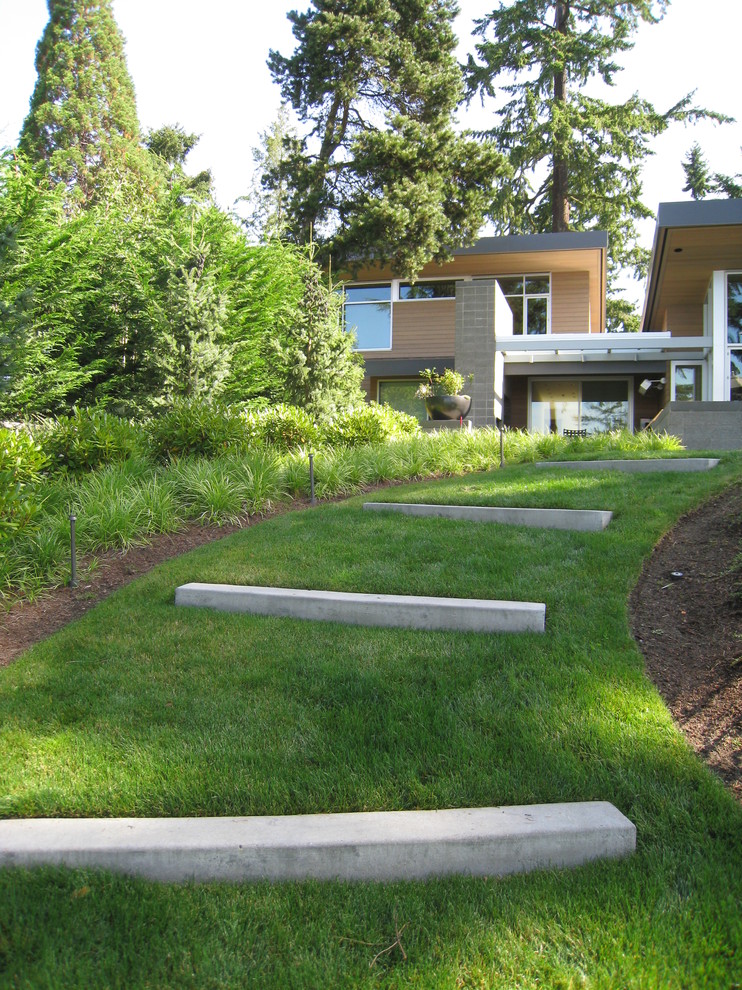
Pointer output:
x,y
141,709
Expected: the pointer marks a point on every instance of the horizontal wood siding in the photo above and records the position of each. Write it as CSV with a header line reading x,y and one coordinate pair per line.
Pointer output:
x,y
422,328
570,302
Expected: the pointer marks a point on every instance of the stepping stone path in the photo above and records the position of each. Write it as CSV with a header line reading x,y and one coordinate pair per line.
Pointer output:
x,y
584,520
646,466
391,845
406,611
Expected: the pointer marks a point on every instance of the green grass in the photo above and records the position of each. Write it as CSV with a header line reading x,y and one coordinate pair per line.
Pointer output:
x,y
142,709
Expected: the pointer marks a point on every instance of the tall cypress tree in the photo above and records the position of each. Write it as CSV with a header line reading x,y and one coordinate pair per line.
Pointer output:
x,y
83,117
380,169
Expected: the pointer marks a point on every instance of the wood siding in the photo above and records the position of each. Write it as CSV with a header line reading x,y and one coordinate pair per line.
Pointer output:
x,y
684,321
570,302
421,328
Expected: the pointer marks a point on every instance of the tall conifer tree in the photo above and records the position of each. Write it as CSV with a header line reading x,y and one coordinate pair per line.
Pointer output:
x,y
83,117
576,159
380,169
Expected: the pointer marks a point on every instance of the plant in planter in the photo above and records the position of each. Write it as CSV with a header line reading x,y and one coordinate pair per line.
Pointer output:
x,y
442,394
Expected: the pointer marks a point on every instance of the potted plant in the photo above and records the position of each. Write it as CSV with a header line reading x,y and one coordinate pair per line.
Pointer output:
x,y
442,394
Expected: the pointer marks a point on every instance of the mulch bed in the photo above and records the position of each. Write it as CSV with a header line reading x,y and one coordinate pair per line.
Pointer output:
x,y
689,628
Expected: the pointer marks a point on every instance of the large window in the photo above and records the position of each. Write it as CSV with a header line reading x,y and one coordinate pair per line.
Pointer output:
x,y
368,314
734,335
592,405
528,296
400,394
438,288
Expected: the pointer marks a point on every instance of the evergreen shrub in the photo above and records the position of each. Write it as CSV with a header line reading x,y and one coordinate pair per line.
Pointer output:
x,y
87,439
192,426
370,424
21,462
284,427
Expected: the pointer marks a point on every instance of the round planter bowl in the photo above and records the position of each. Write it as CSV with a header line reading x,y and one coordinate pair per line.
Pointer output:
x,y
448,406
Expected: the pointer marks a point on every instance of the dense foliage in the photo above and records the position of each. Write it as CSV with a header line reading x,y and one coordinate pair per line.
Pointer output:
x,y
83,120
380,170
576,159
137,300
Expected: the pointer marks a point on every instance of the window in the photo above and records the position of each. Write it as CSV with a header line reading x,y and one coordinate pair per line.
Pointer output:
x,y
734,335
368,314
687,382
400,394
528,296
593,405
434,289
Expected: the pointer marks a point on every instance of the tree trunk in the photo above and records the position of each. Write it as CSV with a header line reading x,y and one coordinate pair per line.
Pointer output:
x,y
560,174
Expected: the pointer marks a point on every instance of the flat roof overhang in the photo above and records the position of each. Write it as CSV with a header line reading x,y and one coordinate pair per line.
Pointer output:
x,y
585,348
691,241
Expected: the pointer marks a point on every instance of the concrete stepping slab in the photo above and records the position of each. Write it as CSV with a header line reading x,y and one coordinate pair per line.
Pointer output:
x,y
584,520
406,611
382,846
645,466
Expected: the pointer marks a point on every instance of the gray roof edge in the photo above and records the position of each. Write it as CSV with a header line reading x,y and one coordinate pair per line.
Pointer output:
x,y
700,213
572,240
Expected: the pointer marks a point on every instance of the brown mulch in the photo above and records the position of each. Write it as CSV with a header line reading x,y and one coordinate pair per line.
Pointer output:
x,y
686,616
689,628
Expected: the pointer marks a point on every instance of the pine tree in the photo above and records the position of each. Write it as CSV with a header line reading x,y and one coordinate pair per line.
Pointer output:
x,y
83,118
698,179
576,159
380,170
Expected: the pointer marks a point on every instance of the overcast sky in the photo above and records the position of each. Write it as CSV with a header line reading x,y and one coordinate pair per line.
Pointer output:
x,y
203,65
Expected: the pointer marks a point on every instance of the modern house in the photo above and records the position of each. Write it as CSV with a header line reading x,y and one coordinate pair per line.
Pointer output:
x,y
525,315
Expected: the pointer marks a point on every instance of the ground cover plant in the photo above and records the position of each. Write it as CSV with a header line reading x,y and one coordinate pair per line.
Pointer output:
x,y
125,481
142,709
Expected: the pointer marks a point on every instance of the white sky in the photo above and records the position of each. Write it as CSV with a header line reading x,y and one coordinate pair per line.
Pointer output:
x,y
203,65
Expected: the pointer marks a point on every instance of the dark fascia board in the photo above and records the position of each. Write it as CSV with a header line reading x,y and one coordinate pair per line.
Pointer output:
x,y
700,213
573,240
693,213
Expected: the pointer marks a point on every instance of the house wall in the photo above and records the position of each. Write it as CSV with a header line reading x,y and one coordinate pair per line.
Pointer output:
x,y
570,302
421,327
684,320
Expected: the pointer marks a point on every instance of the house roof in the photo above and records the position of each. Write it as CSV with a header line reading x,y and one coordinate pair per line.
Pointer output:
x,y
691,240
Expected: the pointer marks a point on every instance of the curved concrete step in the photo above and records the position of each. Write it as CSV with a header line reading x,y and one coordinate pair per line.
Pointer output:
x,y
645,466
406,611
582,520
391,845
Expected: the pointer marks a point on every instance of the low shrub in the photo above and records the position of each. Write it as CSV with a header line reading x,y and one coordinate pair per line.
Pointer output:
x,y
21,462
191,427
370,423
88,439
284,427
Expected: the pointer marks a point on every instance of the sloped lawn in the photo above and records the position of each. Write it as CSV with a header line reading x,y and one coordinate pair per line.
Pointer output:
x,y
141,709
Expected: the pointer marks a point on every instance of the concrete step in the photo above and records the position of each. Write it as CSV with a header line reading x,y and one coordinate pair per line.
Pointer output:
x,y
387,845
584,520
645,466
406,611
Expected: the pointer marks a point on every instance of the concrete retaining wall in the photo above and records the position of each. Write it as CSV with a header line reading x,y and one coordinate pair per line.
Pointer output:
x,y
702,425
647,466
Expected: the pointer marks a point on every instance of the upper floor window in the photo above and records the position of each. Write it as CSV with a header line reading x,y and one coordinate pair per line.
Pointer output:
x,y
368,314
529,298
433,289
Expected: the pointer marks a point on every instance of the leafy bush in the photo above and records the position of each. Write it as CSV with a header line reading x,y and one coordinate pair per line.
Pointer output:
x,y
370,424
21,462
195,427
284,427
88,439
